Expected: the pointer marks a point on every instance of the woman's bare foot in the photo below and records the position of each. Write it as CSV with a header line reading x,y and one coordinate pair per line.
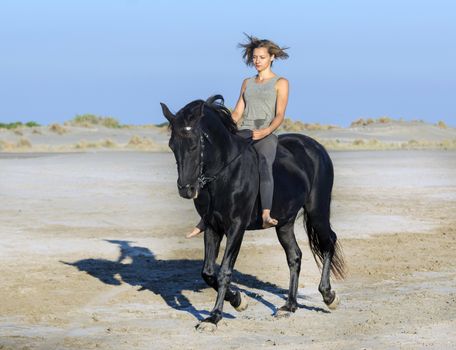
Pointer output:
x,y
196,231
267,220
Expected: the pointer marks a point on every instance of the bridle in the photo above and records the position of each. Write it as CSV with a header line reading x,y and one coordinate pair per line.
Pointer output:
x,y
204,179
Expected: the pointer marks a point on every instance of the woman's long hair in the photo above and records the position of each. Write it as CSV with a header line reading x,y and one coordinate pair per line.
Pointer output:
x,y
254,43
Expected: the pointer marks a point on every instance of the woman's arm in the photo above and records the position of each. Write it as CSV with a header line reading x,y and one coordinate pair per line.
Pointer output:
x,y
281,105
240,105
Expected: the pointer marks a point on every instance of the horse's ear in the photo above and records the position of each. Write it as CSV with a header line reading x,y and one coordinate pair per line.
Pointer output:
x,y
167,113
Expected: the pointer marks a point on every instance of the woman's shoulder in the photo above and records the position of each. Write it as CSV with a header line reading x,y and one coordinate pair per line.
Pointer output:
x,y
281,83
247,81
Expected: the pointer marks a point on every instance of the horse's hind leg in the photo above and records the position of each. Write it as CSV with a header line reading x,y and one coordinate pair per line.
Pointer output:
x,y
322,240
287,239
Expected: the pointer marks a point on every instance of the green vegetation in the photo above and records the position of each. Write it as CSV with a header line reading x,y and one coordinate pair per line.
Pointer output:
x,y
31,124
88,120
15,125
162,125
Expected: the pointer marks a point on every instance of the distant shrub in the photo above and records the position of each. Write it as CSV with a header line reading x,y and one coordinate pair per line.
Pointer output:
x,y
15,125
32,124
87,120
11,125
18,132
441,124
162,125
57,128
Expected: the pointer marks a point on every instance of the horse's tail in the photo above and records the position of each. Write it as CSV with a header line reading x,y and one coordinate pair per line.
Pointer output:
x,y
337,262
322,239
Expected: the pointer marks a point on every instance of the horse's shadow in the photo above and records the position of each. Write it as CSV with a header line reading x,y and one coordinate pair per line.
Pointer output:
x,y
138,266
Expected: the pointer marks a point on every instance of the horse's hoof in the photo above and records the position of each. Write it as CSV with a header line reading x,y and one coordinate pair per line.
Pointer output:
x,y
335,303
206,327
244,303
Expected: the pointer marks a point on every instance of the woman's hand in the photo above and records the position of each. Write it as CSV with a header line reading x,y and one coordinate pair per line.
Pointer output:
x,y
260,133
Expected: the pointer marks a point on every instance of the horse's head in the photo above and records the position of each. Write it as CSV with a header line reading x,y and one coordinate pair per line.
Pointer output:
x,y
185,142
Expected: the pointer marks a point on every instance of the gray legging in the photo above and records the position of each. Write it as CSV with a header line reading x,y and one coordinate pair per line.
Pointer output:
x,y
266,149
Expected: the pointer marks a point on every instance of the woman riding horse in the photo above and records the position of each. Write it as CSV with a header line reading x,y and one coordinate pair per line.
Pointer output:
x,y
261,105
219,170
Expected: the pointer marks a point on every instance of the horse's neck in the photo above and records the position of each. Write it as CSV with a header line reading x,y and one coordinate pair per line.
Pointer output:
x,y
224,145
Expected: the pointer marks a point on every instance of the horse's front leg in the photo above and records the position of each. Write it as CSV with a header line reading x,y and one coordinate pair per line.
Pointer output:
x,y
212,241
222,283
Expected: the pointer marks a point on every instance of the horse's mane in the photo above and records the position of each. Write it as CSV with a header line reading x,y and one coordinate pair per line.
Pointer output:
x,y
223,112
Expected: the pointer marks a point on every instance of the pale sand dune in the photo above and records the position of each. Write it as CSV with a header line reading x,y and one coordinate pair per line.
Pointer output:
x,y
93,256
68,138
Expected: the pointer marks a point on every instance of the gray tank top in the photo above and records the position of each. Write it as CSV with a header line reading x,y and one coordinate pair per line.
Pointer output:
x,y
260,104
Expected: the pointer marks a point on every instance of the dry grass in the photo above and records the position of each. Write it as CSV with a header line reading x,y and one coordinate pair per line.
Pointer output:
x,y
376,145
90,120
106,143
6,146
21,145
289,125
58,129
384,120
369,121
139,142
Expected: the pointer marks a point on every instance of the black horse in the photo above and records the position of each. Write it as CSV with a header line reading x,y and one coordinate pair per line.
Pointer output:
x,y
218,169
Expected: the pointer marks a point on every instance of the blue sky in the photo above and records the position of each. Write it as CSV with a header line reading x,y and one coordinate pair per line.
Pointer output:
x,y
348,59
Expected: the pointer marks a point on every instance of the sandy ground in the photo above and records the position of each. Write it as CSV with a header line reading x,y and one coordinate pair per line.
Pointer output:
x,y
93,256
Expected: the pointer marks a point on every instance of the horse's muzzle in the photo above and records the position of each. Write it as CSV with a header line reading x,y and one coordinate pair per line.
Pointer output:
x,y
188,191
